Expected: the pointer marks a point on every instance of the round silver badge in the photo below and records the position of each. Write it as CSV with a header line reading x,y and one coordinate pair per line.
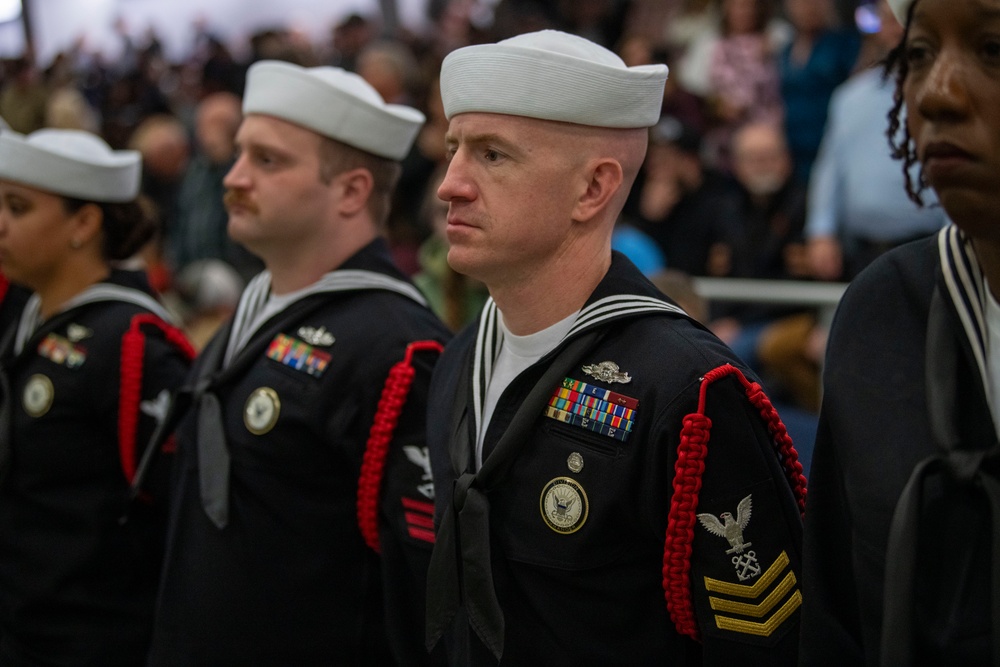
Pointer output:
x,y
38,395
574,462
261,411
564,505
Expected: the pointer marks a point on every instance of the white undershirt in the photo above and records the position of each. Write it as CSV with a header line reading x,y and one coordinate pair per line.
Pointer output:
x,y
517,353
993,354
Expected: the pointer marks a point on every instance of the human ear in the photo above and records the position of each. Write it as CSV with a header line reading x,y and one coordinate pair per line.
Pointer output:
x,y
353,190
604,180
86,225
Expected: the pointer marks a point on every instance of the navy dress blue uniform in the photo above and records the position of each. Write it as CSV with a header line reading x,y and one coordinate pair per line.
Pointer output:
x,y
570,525
904,409
288,579
12,299
79,560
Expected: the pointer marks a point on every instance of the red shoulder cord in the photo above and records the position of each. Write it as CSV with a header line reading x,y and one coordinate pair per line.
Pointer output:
x,y
130,387
688,470
390,405
4,284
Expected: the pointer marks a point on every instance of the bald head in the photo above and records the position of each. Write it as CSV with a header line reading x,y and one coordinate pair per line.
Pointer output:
x,y
217,119
761,161
586,147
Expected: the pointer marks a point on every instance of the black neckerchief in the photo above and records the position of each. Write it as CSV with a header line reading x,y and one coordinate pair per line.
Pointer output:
x,y
957,303
460,571
368,269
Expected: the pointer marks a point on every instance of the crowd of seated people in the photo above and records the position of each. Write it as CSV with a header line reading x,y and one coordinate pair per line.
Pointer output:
x,y
744,149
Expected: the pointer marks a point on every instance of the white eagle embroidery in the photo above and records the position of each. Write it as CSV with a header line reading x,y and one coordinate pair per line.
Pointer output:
x,y
729,528
157,408
419,456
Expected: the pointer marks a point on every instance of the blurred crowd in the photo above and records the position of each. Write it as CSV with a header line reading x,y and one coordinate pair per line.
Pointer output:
x,y
769,161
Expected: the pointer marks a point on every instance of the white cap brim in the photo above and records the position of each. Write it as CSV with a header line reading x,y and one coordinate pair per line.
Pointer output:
x,y
552,76
71,163
333,103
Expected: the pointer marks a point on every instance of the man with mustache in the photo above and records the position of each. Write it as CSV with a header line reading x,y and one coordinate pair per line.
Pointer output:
x,y
301,520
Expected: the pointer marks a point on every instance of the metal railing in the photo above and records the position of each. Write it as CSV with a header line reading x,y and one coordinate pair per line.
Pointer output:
x,y
822,295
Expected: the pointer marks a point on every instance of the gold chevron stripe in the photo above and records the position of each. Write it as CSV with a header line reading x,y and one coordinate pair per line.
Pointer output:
x,y
756,610
754,591
761,629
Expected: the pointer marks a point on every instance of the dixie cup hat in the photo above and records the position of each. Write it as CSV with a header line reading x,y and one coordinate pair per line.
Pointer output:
x,y
72,163
334,103
552,75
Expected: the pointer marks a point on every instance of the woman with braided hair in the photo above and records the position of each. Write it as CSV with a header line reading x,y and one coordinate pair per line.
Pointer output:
x,y
902,522
85,376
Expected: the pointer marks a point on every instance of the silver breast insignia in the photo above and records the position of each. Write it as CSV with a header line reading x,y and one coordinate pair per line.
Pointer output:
x,y
77,332
607,371
319,337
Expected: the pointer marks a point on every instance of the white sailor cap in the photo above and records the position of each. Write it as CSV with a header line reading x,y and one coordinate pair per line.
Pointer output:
x,y
334,103
900,9
552,75
72,163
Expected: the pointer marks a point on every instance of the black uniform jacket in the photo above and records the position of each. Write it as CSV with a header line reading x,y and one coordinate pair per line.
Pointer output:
x,y
901,384
289,580
12,300
78,567
579,517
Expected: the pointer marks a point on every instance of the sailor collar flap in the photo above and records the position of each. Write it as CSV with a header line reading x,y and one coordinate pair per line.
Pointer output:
x,y
30,325
965,437
622,294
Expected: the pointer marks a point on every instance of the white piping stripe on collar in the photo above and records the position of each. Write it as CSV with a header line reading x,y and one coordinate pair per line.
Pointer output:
x,y
615,306
489,338
251,301
964,281
257,292
29,322
31,315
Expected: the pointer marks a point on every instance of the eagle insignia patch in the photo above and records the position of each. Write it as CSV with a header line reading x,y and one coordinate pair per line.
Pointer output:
x,y
730,528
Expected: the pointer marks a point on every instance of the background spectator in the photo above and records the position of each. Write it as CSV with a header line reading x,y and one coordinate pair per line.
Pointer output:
x,y
204,295
680,198
858,206
676,200
23,97
763,240
820,56
198,231
742,76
